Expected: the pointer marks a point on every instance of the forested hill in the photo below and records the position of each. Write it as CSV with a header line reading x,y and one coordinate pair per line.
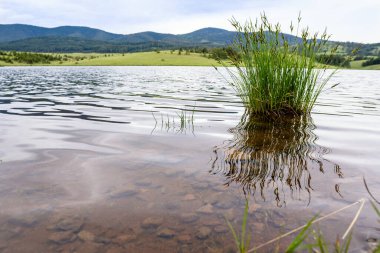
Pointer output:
x,y
84,39
19,37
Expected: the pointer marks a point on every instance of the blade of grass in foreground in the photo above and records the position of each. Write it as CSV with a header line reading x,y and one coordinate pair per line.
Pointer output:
x,y
300,238
243,241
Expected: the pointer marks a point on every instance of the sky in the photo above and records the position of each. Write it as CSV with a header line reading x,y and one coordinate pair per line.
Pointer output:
x,y
345,20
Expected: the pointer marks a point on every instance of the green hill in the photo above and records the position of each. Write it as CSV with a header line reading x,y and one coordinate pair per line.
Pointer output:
x,y
68,39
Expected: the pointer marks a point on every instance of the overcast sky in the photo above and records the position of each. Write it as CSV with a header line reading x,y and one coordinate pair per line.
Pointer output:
x,y
346,20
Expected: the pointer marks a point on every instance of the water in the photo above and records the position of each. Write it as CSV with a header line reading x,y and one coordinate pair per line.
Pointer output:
x,y
96,159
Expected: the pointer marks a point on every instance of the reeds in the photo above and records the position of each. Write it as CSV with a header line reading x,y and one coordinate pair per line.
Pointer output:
x,y
275,73
185,121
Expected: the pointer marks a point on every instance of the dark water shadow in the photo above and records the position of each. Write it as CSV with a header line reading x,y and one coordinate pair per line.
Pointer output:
x,y
275,155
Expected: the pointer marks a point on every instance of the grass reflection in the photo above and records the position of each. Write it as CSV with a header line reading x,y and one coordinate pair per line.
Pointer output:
x,y
277,154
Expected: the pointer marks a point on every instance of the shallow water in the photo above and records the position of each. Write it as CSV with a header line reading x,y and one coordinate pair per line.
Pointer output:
x,y
96,159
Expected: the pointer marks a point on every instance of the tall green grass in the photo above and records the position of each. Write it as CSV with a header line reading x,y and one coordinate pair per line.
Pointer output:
x,y
277,74
243,240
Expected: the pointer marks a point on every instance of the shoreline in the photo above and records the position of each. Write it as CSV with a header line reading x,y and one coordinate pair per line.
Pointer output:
x,y
160,58
150,65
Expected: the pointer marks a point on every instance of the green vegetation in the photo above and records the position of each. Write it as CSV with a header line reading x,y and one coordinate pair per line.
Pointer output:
x,y
242,241
334,60
274,76
303,240
186,121
377,211
373,61
300,238
28,58
71,39
199,56
164,58
320,244
358,64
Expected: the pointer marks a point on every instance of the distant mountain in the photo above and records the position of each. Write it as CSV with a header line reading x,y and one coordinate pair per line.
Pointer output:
x,y
21,37
54,44
146,37
210,35
19,32
61,44
84,39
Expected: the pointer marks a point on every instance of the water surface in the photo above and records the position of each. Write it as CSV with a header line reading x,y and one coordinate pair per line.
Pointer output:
x,y
96,159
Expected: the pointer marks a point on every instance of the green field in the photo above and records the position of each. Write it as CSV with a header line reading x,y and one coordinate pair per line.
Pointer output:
x,y
163,58
358,65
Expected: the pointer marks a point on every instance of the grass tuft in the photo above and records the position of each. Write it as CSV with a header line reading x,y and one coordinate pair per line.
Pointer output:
x,y
277,74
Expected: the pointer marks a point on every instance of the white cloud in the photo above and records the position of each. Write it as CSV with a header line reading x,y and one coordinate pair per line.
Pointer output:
x,y
348,20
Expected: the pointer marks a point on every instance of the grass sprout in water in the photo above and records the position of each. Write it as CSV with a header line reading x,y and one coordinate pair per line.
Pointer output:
x,y
277,74
243,239
272,154
303,240
181,123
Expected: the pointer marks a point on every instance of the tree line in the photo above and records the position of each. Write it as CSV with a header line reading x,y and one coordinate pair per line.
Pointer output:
x,y
28,58
372,61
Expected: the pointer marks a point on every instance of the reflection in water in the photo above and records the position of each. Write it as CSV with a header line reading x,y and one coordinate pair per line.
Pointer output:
x,y
271,153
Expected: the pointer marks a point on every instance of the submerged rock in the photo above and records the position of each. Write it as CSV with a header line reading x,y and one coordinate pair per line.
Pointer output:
x,y
206,209
214,198
185,239
62,237
220,229
220,188
203,233
189,217
125,193
152,222
68,224
166,233
189,197
24,221
258,226
102,240
86,236
9,231
230,214
253,207
116,250
125,238
211,222
144,182
172,206
223,204
86,247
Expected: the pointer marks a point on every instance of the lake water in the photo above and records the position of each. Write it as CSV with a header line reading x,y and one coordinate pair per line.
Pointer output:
x,y
97,159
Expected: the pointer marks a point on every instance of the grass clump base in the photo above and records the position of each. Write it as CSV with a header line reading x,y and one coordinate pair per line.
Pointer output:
x,y
275,73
